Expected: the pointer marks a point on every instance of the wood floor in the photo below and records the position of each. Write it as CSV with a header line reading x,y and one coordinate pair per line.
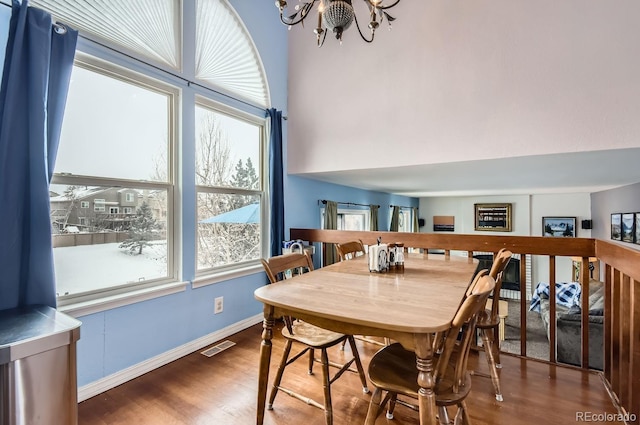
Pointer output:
x,y
221,390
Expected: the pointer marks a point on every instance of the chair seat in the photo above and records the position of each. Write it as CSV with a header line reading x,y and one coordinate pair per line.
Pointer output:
x,y
394,369
486,321
311,335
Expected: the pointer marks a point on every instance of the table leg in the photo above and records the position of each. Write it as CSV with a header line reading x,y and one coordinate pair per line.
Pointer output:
x,y
265,360
424,363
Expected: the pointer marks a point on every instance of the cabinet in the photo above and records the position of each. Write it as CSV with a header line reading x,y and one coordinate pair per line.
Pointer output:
x,y
38,367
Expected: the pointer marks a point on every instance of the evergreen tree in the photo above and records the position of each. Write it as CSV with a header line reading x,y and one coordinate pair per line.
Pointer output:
x,y
245,177
142,230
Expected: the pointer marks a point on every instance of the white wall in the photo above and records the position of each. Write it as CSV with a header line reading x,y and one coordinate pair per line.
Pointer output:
x,y
624,199
455,76
527,210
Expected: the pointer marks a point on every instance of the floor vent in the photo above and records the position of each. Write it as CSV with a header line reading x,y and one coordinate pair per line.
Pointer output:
x,y
217,348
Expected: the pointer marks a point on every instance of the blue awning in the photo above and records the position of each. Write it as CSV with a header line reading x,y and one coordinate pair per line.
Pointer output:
x,y
244,215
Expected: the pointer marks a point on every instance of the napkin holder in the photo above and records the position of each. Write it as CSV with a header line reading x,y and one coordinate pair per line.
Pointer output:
x,y
378,258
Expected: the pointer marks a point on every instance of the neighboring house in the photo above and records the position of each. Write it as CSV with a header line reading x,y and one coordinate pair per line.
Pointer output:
x,y
97,209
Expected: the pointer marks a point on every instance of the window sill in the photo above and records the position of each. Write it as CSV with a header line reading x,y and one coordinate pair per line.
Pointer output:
x,y
210,279
85,308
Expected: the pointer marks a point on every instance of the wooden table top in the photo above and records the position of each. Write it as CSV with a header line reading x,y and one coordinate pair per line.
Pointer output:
x,y
421,299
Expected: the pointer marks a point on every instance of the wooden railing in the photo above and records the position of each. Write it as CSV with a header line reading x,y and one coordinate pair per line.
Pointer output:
x,y
622,323
622,291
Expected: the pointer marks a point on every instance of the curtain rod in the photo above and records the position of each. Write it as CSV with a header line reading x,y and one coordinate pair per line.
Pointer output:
x,y
399,206
324,201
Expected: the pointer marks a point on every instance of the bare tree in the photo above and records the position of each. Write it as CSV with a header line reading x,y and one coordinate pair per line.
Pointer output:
x,y
71,194
213,156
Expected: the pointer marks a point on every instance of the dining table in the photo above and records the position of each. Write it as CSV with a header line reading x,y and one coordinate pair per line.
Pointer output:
x,y
409,305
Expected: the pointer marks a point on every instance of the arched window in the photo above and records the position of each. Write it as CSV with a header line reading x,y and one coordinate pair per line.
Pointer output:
x,y
226,59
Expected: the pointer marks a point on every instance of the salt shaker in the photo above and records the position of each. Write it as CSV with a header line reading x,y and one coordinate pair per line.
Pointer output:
x,y
399,255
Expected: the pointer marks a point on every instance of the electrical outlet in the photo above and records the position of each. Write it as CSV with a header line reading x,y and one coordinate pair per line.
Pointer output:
x,y
219,305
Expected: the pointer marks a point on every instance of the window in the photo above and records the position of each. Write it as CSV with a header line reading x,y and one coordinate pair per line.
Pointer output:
x,y
405,222
98,204
230,188
118,162
350,219
110,111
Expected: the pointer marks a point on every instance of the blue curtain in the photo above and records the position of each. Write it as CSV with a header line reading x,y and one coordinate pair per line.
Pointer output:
x,y
35,81
276,179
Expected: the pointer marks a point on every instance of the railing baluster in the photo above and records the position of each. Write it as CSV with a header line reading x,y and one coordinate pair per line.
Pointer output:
x,y
523,305
552,308
584,282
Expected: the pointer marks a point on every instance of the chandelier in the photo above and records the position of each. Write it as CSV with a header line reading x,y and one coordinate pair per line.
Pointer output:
x,y
336,16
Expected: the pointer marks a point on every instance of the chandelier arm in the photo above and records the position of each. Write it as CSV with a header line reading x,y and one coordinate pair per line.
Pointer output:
x,y
303,16
379,6
355,18
324,36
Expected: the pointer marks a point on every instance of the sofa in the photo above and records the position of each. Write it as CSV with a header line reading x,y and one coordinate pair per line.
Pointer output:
x,y
568,330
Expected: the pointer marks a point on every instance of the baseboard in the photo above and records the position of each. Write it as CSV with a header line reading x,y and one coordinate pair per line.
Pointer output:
x,y
97,387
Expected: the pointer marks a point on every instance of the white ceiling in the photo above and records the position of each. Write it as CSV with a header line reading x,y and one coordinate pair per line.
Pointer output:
x,y
558,173
492,97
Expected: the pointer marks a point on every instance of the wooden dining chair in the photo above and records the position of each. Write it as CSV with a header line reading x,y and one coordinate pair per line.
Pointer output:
x,y
349,250
310,337
393,368
489,321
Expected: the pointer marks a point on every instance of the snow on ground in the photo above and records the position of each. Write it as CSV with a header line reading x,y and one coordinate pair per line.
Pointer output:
x,y
90,267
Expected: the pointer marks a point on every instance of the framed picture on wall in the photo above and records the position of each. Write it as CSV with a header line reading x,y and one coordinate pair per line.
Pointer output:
x,y
616,229
636,237
493,217
443,223
559,227
627,227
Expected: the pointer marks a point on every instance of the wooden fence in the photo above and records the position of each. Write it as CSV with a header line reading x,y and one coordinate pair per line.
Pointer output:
x,y
77,239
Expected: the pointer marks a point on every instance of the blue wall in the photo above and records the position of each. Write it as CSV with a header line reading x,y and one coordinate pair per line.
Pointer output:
x,y
302,195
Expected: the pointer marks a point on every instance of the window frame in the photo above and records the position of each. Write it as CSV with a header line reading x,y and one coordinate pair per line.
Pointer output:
x,y
210,275
124,74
